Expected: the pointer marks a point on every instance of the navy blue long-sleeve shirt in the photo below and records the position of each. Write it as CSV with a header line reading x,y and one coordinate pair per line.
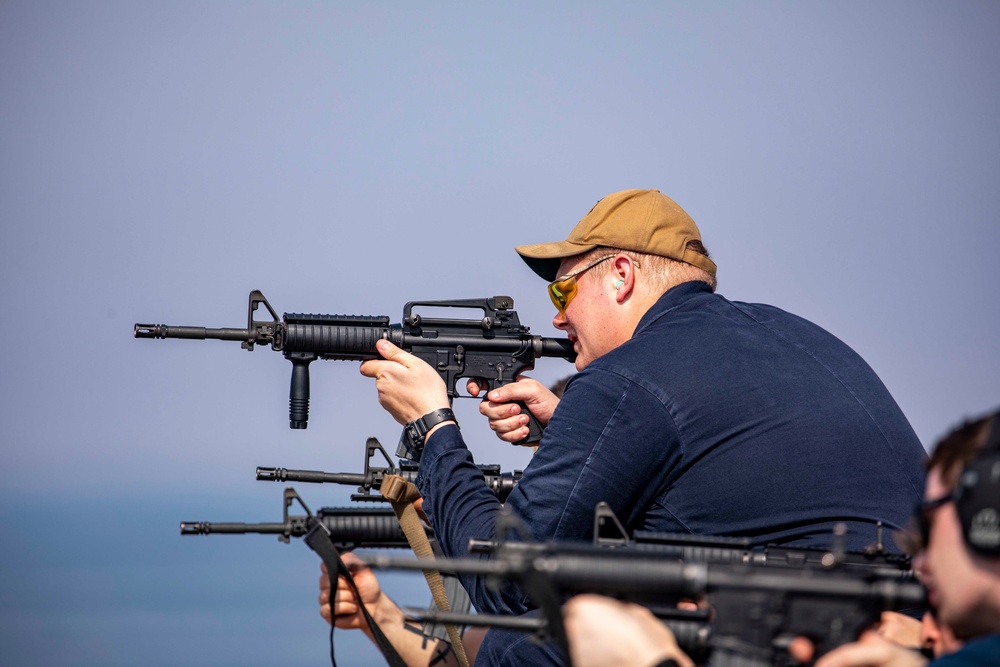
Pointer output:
x,y
716,418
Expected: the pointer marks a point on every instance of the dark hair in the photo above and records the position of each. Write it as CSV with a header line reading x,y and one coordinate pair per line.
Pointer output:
x,y
698,247
559,386
961,446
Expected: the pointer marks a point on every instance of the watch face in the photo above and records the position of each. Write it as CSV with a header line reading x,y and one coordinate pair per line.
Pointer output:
x,y
410,444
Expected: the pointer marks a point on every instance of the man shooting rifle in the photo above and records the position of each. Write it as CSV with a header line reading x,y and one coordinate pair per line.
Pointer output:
x,y
691,413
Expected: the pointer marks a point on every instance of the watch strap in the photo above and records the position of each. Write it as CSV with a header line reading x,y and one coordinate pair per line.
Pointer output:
x,y
411,442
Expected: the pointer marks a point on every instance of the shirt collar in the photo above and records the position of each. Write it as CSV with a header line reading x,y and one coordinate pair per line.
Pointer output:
x,y
672,298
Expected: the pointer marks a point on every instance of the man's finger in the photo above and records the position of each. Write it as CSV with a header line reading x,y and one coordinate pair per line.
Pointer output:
x,y
352,562
389,352
802,650
393,353
371,367
522,390
500,394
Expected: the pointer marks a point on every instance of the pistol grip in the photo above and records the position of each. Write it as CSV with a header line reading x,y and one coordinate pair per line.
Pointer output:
x,y
534,426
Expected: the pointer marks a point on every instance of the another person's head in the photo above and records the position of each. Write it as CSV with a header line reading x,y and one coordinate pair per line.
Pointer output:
x,y
631,247
960,519
559,386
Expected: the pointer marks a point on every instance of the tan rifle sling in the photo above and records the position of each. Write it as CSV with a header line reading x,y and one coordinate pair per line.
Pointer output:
x,y
402,494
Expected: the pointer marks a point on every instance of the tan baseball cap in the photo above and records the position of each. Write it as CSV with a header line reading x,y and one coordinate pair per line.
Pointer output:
x,y
645,221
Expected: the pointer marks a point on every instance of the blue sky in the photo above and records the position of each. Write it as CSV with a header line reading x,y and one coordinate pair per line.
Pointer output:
x,y
160,160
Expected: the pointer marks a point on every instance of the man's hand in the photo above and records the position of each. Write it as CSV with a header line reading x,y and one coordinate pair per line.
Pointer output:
x,y
872,651
900,629
344,609
408,388
506,417
602,632
345,612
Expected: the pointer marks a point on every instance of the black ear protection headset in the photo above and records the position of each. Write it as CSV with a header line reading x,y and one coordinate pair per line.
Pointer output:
x,y
978,496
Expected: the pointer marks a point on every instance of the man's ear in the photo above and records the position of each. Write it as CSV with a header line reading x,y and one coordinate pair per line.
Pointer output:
x,y
623,274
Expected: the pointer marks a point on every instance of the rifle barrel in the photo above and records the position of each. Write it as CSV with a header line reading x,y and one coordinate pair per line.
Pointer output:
x,y
350,527
313,476
194,333
207,528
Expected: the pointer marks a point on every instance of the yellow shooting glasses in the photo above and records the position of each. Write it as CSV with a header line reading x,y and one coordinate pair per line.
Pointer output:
x,y
563,289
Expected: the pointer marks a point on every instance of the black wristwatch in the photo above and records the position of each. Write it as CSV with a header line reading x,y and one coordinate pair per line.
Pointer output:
x,y
411,443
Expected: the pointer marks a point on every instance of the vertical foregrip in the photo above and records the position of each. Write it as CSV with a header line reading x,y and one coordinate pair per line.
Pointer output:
x,y
298,391
310,337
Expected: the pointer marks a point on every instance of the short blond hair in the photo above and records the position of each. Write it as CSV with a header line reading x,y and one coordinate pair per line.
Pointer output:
x,y
660,271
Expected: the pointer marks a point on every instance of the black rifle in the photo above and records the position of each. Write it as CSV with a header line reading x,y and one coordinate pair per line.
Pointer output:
x,y
333,529
755,611
495,348
349,527
318,537
691,628
501,483
609,533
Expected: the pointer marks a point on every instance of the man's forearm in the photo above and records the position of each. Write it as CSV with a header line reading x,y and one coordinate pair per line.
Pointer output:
x,y
459,507
413,647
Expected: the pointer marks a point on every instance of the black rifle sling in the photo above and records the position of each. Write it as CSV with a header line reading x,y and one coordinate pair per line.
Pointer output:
x,y
318,539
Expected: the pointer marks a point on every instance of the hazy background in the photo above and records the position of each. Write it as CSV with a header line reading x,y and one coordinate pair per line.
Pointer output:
x,y
158,160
